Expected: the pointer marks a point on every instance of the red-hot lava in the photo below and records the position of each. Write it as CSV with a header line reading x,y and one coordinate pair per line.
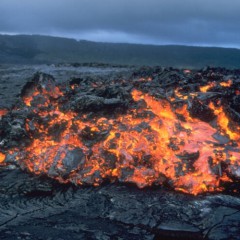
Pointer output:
x,y
3,112
154,142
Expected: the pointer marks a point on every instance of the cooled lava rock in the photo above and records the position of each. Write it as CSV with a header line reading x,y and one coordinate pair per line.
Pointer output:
x,y
201,111
95,103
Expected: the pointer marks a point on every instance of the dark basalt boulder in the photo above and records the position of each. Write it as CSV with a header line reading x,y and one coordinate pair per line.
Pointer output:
x,y
95,103
72,161
40,81
12,129
236,103
199,110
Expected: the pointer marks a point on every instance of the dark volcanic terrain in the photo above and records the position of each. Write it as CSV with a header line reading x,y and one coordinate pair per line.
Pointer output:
x,y
14,77
38,207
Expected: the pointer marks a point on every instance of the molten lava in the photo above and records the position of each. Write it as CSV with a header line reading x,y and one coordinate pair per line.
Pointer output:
x,y
2,157
153,143
3,112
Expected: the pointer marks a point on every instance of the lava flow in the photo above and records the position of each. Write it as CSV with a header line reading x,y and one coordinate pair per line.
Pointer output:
x,y
152,142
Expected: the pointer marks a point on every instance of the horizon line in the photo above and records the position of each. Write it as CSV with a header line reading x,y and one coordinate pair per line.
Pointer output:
x,y
116,42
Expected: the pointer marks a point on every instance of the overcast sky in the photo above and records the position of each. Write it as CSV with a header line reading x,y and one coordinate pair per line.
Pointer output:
x,y
188,22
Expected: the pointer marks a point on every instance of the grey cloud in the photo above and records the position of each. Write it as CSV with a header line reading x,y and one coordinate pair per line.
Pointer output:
x,y
204,22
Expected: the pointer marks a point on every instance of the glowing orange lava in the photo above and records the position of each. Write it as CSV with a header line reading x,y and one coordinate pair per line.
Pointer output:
x,y
226,84
3,112
149,145
2,157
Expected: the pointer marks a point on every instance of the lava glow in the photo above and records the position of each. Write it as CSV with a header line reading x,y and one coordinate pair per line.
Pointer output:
x,y
151,144
2,157
3,112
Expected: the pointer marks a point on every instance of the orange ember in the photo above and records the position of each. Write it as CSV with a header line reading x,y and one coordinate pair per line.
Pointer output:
x,y
3,112
149,79
151,144
226,84
2,157
205,88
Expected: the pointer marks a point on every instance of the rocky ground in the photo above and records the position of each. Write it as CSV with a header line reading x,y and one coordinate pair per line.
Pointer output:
x,y
13,77
40,208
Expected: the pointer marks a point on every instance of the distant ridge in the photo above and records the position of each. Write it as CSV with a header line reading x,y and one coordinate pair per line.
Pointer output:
x,y
36,49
